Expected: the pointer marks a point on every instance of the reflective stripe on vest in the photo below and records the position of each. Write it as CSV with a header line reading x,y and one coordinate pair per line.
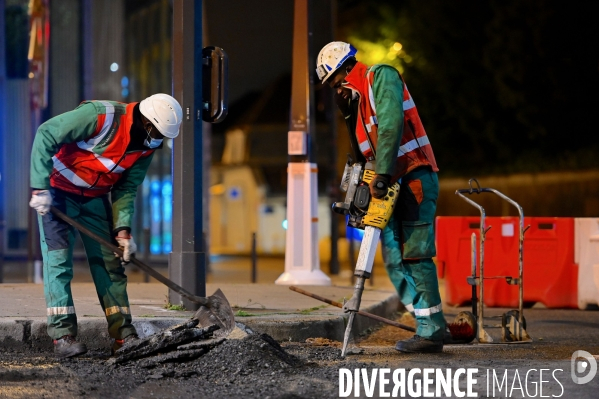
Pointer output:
x,y
415,149
110,165
97,163
78,181
412,145
91,143
69,174
408,104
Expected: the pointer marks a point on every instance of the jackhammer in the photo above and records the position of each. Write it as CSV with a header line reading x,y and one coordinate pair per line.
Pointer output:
x,y
366,213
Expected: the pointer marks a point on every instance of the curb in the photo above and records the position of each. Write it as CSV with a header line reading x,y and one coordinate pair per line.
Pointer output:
x,y
18,333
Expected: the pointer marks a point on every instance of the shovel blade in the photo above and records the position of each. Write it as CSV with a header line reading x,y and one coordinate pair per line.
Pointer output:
x,y
218,311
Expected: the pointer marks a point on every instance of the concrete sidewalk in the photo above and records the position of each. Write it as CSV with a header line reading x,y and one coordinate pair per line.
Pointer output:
x,y
269,308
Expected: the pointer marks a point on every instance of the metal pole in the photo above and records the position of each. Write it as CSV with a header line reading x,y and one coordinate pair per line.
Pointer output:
x,y
352,257
302,97
254,259
333,177
147,242
187,262
302,263
87,50
473,272
2,133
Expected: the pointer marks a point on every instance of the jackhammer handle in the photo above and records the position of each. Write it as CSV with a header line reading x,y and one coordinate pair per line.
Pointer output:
x,y
170,284
360,312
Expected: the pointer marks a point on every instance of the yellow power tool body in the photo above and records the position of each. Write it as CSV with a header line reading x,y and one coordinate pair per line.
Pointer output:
x,y
369,214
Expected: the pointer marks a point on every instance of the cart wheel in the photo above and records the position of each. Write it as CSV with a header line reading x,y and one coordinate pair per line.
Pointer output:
x,y
463,328
509,326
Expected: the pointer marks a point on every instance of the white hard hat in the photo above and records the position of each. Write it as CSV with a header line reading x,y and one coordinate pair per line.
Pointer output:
x,y
164,112
331,57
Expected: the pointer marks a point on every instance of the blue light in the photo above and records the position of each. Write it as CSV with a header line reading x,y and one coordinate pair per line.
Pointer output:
x,y
125,92
284,224
155,206
124,81
167,188
234,193
155,248
155,187
167,213
155,216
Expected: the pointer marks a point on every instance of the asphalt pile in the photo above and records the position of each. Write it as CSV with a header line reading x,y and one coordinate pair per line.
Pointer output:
x,y
195,350
182,342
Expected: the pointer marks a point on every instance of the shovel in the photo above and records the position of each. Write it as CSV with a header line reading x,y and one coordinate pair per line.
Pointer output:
x,y
214,309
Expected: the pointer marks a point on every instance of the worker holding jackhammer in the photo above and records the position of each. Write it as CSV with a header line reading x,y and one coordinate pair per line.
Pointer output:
x,y
88,163
386,131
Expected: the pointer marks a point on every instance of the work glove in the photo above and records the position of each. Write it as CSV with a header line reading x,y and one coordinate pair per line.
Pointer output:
x,y
379,186
128,246
41,201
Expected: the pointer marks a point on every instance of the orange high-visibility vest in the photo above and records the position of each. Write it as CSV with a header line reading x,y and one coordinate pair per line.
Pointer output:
x,y
415,149
92,166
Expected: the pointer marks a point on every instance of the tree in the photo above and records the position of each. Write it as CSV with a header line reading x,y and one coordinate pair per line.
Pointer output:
x,y
497,83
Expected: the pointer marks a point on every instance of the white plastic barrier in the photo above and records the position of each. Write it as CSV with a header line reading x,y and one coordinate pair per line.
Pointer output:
x,y
586,255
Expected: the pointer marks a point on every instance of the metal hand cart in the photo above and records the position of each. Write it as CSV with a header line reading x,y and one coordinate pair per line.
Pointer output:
x,y
513,324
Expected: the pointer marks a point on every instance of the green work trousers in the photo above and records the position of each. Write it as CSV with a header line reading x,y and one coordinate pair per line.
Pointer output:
x,y
57,241
408,244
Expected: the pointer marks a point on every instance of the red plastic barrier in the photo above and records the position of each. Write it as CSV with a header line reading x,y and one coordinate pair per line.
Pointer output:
x,y
550,274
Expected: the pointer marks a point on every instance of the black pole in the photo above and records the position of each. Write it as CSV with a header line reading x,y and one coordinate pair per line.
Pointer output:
x,y
352,257
302,98
187,262
254,259
333,177
147,242
2,133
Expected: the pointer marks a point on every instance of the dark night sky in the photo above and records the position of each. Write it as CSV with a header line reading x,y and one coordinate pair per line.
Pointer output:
x,y
257,35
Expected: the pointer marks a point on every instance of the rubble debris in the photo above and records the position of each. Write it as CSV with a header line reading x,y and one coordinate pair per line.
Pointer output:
x,y
254,353
244,328
151,339
240,331
323,342
204,344
186,350
180,355
166,341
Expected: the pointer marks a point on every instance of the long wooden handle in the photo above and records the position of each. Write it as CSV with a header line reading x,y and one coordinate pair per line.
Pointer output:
x,y
169,283
360,312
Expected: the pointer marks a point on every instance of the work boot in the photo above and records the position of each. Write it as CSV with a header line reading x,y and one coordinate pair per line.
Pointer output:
x,y
67,346
417,344
119,343
447,338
